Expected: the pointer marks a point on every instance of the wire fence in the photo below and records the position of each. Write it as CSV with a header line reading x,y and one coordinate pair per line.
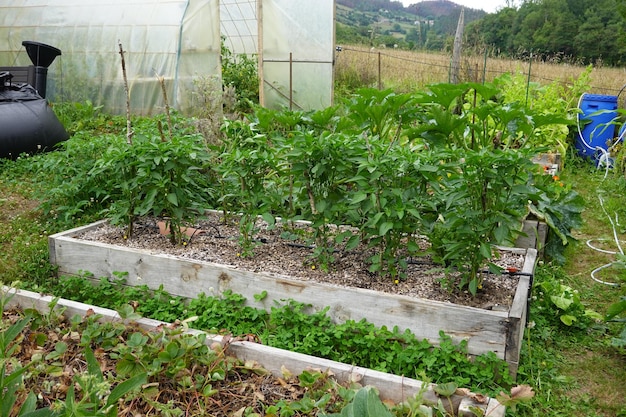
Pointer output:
x,y
406,70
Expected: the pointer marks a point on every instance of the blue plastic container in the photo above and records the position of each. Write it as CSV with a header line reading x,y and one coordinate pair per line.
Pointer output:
x,y
595,128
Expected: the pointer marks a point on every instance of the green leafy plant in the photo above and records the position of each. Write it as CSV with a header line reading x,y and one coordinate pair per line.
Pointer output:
x,y
69,192
391,197
240,73
617,313
366,403
560,207
97,397
556,99
294,326
156,177
12,373
247,167
385,114
10,383
79,117
482,199
558,300
319,167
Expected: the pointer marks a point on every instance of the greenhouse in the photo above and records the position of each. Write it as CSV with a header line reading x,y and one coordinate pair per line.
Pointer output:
x,y
162,38
177,41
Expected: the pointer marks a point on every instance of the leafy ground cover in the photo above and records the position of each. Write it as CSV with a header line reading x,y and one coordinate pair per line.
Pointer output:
x,y
292,326
54,366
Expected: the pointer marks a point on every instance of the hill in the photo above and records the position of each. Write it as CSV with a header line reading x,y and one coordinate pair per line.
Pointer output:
x,y
427,24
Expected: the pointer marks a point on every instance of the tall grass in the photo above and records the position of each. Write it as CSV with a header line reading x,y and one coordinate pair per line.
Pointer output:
x,y
404,71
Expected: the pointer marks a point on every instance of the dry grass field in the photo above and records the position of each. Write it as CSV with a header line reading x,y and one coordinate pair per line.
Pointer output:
x,y
407,70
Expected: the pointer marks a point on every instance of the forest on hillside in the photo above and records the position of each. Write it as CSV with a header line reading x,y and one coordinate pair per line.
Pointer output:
x,y
425,25
578,31
583,31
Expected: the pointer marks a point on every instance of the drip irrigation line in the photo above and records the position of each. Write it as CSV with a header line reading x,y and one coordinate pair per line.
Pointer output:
x,y
614,225
597,249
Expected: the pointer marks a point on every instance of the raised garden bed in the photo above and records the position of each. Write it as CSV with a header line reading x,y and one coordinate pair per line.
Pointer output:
x,y
390,387
497,329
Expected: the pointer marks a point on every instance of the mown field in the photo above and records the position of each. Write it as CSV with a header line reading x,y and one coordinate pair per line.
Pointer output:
x,y
407,70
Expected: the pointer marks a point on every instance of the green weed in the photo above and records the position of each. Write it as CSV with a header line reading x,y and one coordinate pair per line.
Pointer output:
x,y
295,327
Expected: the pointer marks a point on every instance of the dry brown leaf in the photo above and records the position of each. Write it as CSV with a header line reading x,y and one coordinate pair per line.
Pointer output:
x,y
522,392
239,413
286,372
259,395
356,377
282,382
479,398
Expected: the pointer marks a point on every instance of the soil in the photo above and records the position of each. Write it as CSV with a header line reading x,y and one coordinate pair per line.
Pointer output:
x,y
216,239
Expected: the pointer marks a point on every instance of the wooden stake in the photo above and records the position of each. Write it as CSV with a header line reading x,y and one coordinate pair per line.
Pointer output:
x,y
259,18
167,104
129,130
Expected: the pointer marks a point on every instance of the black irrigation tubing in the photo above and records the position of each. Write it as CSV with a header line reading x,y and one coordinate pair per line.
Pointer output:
x,y
412,261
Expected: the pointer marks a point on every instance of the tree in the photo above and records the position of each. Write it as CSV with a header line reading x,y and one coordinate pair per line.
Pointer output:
x,y
587,30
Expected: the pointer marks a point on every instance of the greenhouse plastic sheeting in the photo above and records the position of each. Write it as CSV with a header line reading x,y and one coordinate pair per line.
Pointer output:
x,y
239,25
297,55
178,40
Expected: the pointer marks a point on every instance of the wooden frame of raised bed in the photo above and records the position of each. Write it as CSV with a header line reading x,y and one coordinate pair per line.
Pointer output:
x,y
500,332
390,387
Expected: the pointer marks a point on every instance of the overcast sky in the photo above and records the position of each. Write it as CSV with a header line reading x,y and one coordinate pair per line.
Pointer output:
x,y
490,6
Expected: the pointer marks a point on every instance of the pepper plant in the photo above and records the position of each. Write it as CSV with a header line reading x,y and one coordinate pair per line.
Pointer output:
x,y
320,167
247,170
153,176
486,166
391,198
381,114
483,197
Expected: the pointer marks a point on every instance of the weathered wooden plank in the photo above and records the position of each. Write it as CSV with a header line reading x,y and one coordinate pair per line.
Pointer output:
x,y
518,312
392,387
484,330
528,239
72,232
535,235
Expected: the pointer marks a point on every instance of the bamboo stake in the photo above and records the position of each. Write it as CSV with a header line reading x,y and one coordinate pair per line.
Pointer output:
x,y
260,58
167,104
290,80
129,130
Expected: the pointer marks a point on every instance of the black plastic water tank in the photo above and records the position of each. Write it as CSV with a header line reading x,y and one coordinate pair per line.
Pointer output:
x,y
42,56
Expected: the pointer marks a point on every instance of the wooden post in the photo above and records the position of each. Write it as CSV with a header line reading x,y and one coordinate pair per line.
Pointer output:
x,y
530,66
485,66
380,81
456,52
